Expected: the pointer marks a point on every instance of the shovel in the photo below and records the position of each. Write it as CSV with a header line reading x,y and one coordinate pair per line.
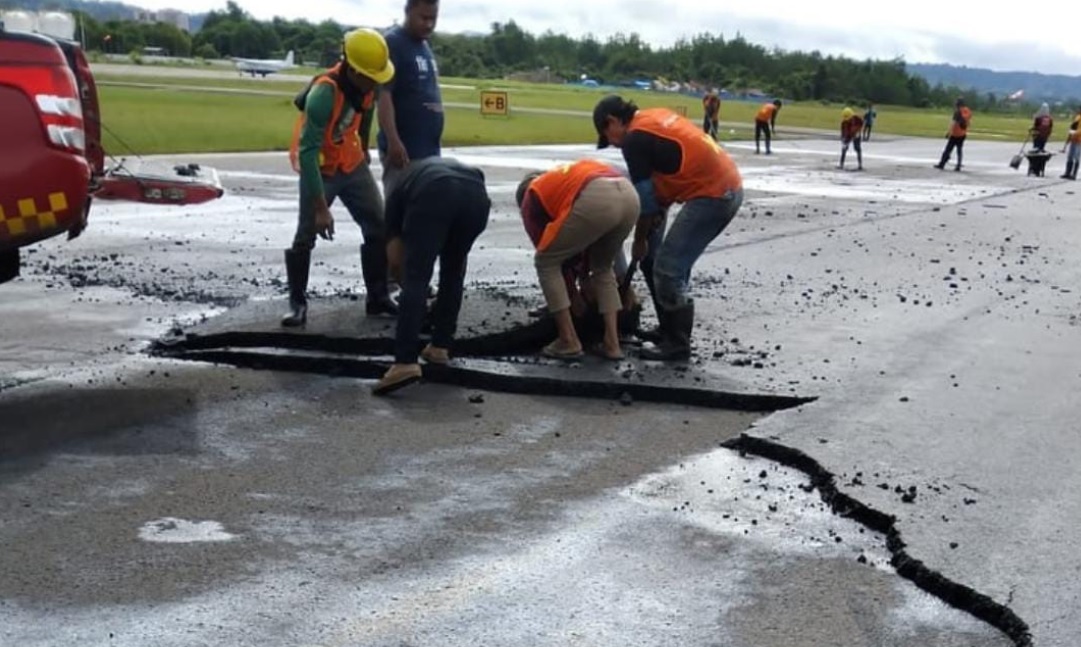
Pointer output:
x,y
1015,161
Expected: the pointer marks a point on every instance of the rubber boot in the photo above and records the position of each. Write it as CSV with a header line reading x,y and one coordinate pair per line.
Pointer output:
x,y
373,265
676,344
297,265
1071,171
844,152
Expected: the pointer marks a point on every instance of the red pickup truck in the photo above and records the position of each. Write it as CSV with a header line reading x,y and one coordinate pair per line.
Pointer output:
x,y
51,142
51,158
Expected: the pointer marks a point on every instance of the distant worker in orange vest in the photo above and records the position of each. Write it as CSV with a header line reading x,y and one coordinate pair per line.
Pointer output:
x,y
671,161
959,123
586,206
851,133
765,123
711,105
330,151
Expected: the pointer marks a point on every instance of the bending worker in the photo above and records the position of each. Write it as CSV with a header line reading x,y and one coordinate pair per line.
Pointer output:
x,y
330,151
586,206
765,123
436,210
669,161
851,132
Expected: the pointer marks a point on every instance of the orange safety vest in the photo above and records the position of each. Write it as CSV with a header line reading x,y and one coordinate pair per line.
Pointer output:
x,y
346,154
558,188
706,170
765,113
852,127
955,129
1075,126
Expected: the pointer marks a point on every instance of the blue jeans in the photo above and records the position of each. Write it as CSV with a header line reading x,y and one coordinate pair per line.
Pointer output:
x,y
441,222
1074,155
672,256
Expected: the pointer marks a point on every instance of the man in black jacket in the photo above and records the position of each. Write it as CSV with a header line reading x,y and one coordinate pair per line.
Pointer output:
x,y
436,210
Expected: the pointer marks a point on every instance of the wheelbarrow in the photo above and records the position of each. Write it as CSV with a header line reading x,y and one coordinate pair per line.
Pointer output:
x,y
1037,162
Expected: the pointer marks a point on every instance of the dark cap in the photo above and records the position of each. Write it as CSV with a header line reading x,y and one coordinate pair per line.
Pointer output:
x,y
523,186
606,107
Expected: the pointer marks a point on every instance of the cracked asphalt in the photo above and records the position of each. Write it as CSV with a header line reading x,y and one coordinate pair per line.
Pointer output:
x,y
932,314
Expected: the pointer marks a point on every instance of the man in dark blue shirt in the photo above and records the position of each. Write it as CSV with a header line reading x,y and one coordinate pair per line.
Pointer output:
x,y
410,108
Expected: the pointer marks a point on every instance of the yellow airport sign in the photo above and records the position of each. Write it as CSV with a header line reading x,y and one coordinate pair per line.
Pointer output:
x,y
494,102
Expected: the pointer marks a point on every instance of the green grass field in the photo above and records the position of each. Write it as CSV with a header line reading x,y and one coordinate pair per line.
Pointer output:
x,y
175,119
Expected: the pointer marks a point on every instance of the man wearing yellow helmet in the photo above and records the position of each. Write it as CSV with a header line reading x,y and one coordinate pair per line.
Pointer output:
x,y
851,133
330,151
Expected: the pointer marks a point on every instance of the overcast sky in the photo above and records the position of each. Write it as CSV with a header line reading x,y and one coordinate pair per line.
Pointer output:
x,y
1043,39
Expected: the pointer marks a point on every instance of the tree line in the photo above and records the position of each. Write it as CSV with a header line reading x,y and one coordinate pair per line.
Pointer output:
x,y
707,59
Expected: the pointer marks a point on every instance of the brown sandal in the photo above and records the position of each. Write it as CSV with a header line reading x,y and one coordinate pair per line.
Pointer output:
x,y
397,376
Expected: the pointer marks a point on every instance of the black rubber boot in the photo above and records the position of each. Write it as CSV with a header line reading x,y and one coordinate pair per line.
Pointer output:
x,y
373,265
676,344
297,265
1071,171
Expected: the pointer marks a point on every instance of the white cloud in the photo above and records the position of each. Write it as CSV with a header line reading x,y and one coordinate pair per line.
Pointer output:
x,y
962,33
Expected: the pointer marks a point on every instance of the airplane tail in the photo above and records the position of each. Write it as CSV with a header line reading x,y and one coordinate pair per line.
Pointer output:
x,y
289,58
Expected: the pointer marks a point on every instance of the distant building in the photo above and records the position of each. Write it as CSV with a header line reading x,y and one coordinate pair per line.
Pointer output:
x,y
169,16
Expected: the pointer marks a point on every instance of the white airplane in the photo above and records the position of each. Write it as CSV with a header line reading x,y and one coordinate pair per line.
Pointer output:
x,y
263,67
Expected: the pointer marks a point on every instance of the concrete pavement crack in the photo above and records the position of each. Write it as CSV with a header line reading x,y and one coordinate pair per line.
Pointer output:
x,y
955,594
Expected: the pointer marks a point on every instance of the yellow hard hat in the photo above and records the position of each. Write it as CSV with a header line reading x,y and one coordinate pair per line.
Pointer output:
x,y
847,114
366,52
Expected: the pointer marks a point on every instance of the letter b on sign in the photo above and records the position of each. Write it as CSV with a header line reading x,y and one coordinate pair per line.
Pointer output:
x,y
494,103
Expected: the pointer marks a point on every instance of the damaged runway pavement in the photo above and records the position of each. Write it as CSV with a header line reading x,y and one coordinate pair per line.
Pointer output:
x,y
850,457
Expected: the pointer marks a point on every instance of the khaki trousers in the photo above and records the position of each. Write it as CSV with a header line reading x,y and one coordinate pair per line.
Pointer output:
x,y
602,217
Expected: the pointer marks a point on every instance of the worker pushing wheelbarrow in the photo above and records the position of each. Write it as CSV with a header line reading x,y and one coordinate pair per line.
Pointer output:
x,y
1039,133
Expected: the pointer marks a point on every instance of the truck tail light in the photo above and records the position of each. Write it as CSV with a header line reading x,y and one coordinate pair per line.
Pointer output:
x,y
54,91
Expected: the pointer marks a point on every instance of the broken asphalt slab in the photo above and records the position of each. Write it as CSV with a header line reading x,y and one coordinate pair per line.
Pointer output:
x,y
496,349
